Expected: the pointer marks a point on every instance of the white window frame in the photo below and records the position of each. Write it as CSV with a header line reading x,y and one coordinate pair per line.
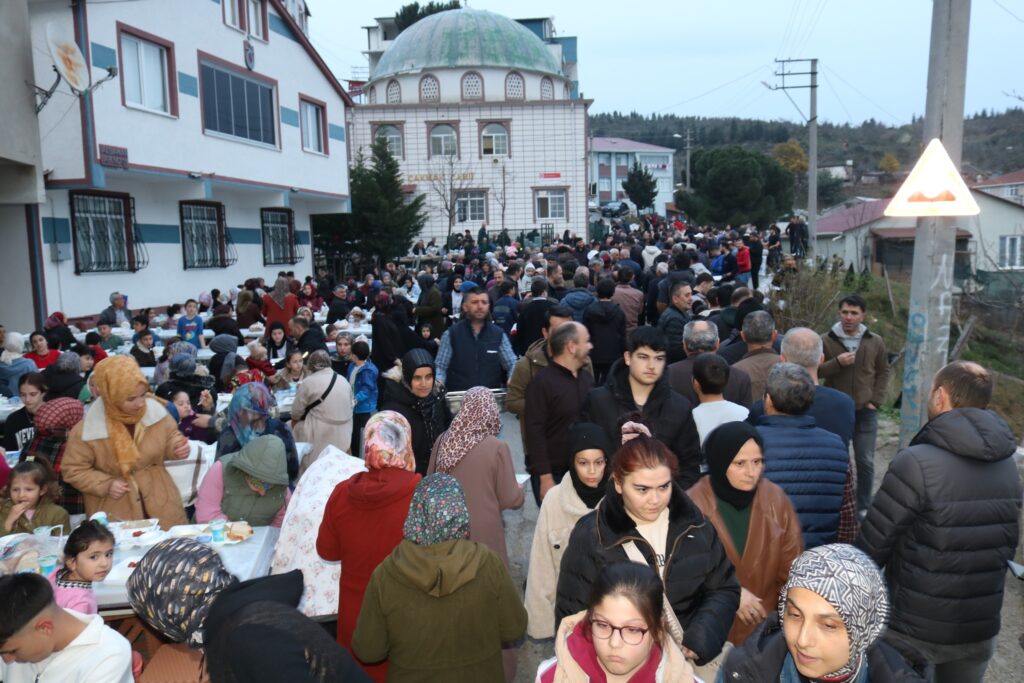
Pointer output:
x,y
1011,251
133,47
274,108
393,92
255,25
549,199
498,140
604,184
233,16
547,88
311,118
471,206
443,138
393,135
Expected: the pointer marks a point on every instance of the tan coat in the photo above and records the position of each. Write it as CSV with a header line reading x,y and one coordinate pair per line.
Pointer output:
x,y
559,513
90,465
773,542
631,301
758,363
328,424
489,482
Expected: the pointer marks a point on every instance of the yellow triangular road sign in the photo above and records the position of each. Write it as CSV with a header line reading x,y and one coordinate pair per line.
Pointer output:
x,y
933,188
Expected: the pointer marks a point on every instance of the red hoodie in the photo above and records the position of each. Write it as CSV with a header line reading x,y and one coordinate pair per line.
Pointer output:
x,y
743,259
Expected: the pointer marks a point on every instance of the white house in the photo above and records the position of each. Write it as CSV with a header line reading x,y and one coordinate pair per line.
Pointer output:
x,y
481,113
198,166
1009,186
611,159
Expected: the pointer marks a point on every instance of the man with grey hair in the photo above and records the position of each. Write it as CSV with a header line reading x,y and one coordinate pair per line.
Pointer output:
x,y
701,336
116,313
759,335
811,464
832,409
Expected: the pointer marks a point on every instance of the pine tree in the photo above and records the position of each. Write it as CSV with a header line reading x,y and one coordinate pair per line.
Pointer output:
x,y
391,222
640,186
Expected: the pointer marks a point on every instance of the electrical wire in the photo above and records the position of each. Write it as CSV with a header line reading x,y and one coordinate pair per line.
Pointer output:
x,y
1007,10
852,87
713,90
813,25
788,30
828,84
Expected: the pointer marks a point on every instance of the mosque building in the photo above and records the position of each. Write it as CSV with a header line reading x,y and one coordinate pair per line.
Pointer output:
x,y
485,118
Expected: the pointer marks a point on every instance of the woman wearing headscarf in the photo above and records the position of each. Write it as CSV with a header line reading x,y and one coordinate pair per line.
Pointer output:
x,y
430,304
279,305
570,499
247,417
250,485
363,519
278,344
754,518
182,376
64,378
247,311
54,421
438,576
322,409
827,627
116,455
239,631
471,452
416,396
56,327
222,365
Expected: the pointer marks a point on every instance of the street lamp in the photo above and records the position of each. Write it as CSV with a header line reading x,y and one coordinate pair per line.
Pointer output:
x,y
680,137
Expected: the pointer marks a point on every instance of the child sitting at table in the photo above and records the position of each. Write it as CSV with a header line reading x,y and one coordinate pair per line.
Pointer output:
x,y
194,426
250,484
258,359
28,499
244,374
142,351
88,557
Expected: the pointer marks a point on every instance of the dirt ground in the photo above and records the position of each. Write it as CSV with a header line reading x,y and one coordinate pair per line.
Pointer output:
x,y
1007,664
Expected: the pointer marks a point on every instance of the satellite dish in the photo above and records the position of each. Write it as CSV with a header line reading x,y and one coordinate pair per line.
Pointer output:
x,y
69,64
67,58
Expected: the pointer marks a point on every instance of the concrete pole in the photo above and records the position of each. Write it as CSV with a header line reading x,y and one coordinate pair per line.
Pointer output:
x,y
931,287
688,148
812,169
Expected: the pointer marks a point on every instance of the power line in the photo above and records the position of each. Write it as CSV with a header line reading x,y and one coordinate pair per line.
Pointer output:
x,y
852,87
790,21
810,31
715,89
849,116
1007,10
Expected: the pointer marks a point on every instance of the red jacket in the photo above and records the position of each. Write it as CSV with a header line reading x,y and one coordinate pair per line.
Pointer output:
x,y
273,313
264,366
743,259
362,524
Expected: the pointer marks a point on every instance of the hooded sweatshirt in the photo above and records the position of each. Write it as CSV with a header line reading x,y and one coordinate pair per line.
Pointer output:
x,y
459,587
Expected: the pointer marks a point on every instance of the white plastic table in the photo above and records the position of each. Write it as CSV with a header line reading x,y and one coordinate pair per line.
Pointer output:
x,y
246,560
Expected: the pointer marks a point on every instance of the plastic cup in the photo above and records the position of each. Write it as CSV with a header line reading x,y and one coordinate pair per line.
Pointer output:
x,y
217,531
47,563
100,517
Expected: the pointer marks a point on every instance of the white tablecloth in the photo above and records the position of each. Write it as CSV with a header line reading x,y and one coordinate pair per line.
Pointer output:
x,y
246,560
6,409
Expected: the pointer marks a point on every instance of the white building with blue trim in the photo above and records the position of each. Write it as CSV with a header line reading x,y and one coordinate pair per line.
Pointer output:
x,y
198,166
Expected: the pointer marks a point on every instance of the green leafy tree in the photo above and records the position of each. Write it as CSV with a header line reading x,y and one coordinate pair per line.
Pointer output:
x,y
640,186
407,15
733,185
830,189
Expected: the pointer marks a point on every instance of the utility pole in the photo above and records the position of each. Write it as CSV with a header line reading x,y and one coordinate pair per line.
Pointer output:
x,y
688,148
812,143
931,286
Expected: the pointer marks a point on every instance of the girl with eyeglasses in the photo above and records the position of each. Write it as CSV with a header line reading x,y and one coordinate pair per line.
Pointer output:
x,y
621,635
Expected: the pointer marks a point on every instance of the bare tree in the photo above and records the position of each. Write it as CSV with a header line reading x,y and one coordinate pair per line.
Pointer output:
x,y
448,179
501,196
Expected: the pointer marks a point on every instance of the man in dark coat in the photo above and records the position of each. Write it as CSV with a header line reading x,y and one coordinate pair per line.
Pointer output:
x,y
340,307
637,383
944,523
308,338
607,325
674,318
531,316
701,336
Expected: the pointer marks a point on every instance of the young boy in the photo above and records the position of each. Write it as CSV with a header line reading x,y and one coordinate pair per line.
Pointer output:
x,y
142,352
362,375
190,325
139,324
108,340
43,643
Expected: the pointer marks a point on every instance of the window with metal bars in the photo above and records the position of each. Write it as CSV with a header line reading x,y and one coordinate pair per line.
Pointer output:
x,y
104,234
279,245
205,240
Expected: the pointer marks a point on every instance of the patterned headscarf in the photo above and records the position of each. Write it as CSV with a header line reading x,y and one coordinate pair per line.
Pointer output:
x,y
53,422
182,364
174,585
183,347
116,379
250,401
438,511
478,419
280,291
387,442
57,319
852,584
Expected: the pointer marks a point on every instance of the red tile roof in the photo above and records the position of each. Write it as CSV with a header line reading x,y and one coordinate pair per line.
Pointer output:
x,y
624,145
1015,178
855,216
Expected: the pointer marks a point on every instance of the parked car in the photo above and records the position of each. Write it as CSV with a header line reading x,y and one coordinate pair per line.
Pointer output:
x,y
614,209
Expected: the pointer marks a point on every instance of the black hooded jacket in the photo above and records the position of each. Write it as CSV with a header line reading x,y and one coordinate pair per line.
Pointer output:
x,y
607,326
699,579
943,525
668,413
760,658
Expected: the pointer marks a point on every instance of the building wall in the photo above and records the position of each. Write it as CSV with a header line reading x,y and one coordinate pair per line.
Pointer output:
x,y
615,173
450,82
21,178
16,309
547,144
997,218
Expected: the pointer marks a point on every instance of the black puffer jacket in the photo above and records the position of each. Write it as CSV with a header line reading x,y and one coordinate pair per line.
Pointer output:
x,y
669,414
760,659
700,580
944,524
428,417
607,326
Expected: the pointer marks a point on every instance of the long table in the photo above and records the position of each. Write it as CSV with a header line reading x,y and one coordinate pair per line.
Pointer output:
x,y
246,560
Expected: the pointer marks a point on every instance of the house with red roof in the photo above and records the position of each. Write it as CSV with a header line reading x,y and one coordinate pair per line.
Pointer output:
x,y
1009,186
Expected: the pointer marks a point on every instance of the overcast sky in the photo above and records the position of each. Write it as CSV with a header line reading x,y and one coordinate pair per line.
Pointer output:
x,y
708,58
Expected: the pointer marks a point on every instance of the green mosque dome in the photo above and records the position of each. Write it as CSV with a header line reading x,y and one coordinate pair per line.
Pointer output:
x,y
466,38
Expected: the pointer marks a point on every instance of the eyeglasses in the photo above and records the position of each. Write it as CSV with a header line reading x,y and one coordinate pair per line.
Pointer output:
x,y
631,635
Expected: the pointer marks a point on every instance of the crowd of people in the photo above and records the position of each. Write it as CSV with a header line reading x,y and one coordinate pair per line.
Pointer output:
x,y
713,524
